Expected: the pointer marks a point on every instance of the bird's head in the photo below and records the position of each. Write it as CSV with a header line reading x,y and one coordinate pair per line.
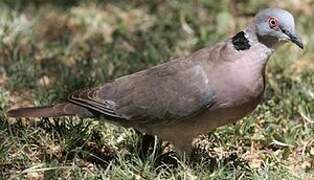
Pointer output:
x,y
275,25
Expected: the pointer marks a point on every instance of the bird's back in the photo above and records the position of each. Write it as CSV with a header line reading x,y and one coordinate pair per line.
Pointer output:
x,y
163,94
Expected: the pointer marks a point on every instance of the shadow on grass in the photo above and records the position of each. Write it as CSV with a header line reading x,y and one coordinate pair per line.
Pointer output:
x,y
81,142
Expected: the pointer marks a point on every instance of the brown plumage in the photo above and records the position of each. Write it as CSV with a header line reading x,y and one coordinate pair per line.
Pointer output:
x,y
63,109
186,96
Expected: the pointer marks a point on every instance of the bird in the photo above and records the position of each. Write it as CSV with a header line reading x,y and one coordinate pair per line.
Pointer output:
x,y
186,96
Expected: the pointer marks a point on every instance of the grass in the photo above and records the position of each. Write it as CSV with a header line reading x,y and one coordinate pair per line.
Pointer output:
x,y
50,48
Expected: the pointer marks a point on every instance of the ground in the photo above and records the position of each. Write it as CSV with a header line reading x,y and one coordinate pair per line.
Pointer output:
x,y
50,48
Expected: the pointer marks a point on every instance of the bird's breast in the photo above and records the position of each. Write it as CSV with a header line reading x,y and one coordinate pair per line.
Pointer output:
x,y
238,83
237,93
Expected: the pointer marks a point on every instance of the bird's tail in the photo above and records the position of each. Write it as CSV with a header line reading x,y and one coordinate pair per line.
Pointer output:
x,y
64,109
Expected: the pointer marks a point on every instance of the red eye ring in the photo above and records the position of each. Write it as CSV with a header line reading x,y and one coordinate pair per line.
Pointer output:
x,y
273,23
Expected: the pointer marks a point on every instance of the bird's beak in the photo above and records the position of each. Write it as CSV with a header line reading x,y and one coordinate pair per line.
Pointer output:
x,y
297,40
294,38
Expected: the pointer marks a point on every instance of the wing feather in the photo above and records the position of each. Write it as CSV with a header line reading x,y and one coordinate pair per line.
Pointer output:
x,y
165,93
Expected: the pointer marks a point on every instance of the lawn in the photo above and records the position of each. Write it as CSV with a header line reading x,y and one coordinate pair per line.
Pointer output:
x,y
50,48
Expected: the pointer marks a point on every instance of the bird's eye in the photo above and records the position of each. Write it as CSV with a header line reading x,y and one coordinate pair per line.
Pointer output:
x,y
273,23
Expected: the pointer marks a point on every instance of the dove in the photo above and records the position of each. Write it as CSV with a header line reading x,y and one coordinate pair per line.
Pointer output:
x,y
186,96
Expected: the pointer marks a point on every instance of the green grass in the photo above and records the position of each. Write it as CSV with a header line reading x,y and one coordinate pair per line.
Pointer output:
x,y
50,48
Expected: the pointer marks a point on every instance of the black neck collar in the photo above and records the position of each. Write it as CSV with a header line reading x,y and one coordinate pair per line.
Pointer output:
x,y
240,42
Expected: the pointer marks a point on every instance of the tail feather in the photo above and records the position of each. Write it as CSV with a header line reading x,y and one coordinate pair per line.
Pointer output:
x,y
64,109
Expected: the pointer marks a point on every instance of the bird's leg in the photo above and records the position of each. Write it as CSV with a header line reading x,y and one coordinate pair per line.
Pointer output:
x,y
184,152
184,147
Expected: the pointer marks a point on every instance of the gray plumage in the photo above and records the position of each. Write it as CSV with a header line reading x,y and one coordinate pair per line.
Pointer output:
x,y
190,95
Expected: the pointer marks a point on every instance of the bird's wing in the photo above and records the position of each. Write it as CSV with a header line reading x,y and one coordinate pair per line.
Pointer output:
x,y
172,91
